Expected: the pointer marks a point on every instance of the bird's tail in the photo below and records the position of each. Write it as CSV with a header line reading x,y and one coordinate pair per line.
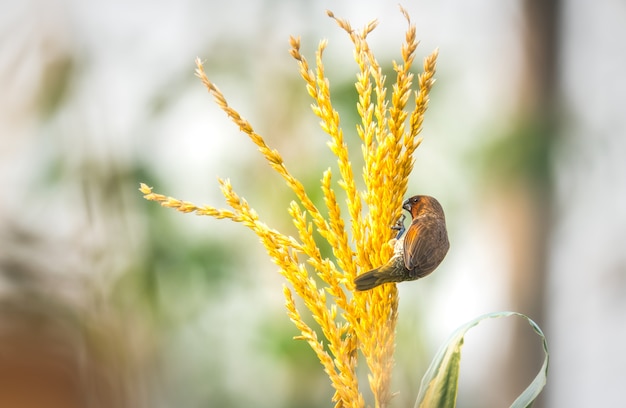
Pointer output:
x,y
375,277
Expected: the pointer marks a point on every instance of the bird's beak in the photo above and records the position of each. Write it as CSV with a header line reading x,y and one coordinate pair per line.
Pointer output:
x,y
406,205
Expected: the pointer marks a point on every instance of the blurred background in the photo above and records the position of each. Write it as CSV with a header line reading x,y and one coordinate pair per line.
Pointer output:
x,y
109,300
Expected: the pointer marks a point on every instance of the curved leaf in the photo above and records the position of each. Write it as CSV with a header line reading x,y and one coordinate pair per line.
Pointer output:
x,y
440,383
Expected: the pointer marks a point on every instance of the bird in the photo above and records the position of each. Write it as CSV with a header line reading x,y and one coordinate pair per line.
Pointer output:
x,y
421,250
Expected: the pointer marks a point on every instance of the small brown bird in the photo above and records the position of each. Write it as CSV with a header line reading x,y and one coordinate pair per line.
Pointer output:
x,y
422,249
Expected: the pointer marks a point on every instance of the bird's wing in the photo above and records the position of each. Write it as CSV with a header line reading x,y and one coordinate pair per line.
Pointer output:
x,y
419,242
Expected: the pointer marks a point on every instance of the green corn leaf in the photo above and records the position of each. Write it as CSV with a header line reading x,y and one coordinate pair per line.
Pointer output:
x,y
440,383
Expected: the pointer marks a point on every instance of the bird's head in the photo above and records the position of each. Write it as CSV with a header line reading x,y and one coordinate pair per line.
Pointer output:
x,y
422,204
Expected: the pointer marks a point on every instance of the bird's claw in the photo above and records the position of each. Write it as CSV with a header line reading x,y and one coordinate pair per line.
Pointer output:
x,y
399,226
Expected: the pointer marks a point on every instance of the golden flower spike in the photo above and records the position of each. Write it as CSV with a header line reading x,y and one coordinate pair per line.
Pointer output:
x,y
348,321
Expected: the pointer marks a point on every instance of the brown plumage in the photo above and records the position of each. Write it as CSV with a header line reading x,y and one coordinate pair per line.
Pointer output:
x,y
419,252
